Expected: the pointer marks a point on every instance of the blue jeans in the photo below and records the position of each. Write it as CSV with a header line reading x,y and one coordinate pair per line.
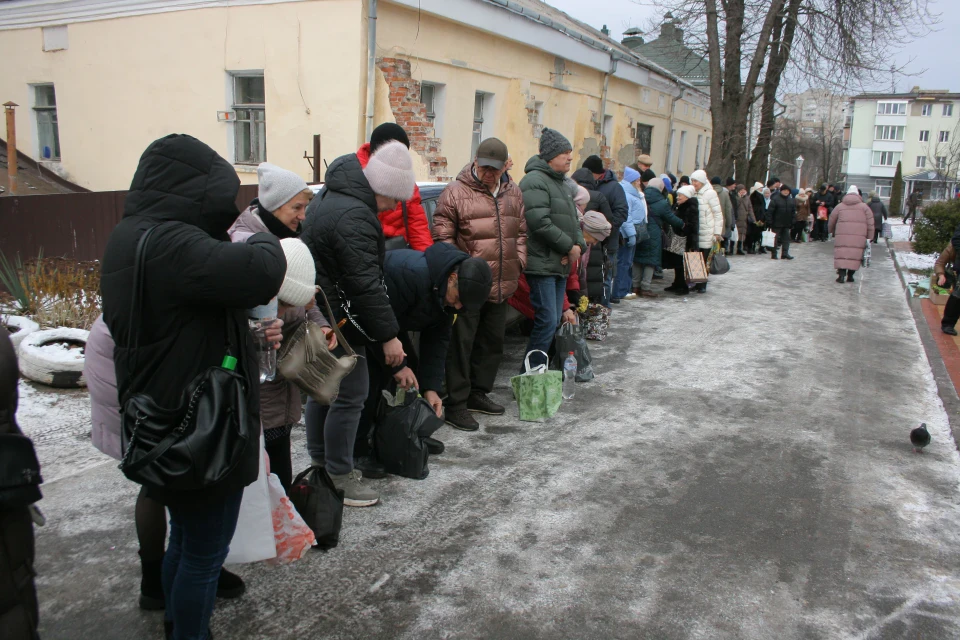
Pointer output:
x,y
331,431
200,538
547,294
624,280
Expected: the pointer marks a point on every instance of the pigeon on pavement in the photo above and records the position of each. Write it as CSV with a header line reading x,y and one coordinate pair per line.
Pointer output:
x,y
920,438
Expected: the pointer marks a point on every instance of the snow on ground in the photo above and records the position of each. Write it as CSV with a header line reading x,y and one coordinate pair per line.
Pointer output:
x,y
58,421
901,232
919,261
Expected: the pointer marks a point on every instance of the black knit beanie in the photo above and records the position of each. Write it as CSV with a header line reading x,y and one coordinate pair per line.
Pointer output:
x,y
594,163
385,133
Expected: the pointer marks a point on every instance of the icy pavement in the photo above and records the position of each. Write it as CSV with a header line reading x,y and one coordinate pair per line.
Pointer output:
x,y
740,468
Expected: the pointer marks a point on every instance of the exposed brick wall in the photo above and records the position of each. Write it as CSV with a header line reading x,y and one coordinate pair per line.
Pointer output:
x,y
411,115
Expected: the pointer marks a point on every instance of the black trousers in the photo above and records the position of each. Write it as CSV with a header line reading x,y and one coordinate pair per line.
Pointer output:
x,y
951,312
876,235
783,241
820,230
381,377
476,350
278,451
797,231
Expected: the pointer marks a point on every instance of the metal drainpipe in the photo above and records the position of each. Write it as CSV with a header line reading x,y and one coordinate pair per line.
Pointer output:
x,y
371,66
603,99
673,111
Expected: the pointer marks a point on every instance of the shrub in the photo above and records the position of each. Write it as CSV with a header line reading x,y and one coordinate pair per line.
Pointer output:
x,y
55,292
933,229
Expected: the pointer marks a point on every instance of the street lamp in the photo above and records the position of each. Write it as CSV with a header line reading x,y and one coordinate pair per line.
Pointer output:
x,y
799,164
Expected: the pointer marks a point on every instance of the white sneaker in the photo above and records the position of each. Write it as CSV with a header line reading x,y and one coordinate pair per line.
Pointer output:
x,y
631,296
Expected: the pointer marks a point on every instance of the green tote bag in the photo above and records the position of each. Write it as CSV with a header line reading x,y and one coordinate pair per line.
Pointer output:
x,y
538,391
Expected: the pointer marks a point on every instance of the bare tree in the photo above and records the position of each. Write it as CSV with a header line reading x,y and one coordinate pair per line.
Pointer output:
x,y
751,44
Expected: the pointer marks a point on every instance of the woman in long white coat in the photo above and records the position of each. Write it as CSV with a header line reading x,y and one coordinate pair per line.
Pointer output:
x,y
711,217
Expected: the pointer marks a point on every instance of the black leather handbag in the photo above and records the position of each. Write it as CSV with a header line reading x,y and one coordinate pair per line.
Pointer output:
x,y
208,441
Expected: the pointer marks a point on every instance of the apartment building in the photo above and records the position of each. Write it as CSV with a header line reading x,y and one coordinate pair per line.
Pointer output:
x,y
919,129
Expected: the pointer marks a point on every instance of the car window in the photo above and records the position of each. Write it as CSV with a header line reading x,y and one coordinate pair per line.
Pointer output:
x,y
429,206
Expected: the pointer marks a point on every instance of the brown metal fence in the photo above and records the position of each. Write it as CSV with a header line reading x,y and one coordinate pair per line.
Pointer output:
x,y
69,225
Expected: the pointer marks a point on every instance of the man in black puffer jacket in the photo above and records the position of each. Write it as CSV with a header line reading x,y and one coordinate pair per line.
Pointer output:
x,y
426,290
780,216
347,243
609,186
197,287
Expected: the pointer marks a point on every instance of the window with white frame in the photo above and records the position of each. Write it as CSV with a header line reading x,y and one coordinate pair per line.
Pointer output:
x,y
645,96
683,143
948,109
250,125
884,188
885,158
944,136
702,113
48,129
925,136
888,133
696,157
942,163
921,162
479,100
926,110
891,108
661,101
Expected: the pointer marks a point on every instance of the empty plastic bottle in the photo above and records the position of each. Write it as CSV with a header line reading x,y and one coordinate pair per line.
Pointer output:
x,y
260,318
569,376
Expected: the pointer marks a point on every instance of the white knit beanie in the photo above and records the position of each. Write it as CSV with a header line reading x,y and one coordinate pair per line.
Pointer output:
x,y
700,176
277,186
687,190
299,284
390,172
853,189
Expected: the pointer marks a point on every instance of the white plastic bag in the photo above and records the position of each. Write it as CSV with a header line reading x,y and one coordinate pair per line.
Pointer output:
x,y
254,538
734,235
769,239
292,537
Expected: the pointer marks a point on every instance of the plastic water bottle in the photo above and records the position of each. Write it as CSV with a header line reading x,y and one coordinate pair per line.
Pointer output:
x,y
569,376
259,319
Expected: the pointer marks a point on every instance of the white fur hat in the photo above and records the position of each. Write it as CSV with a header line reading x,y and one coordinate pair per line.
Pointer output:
x,y
700,176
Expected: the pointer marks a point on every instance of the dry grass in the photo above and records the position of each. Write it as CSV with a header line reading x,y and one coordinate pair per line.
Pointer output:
x,y
55,292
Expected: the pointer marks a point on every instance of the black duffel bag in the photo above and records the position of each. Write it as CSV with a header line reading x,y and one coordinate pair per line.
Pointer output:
x,y
320,504
209,441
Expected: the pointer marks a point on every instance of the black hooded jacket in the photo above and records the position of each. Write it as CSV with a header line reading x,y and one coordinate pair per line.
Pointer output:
x,y
197,284
613,192
346,240
417,285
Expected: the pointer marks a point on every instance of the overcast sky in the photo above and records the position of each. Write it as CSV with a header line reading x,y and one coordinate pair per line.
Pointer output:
x,y
933,55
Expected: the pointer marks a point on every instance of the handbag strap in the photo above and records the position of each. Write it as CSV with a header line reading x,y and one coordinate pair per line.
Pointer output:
x,y
333,324
136,300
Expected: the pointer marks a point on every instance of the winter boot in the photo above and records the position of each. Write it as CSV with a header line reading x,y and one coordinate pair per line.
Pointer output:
x,y
151,585
740,249
481,403
841,273
355,493
229,585
850,275
773,254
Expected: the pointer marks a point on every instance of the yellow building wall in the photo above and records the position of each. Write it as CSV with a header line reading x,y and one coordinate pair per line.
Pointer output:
x,y
123,83
466,60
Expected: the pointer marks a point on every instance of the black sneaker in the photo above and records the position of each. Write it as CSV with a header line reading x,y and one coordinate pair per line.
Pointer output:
x,y
460,419
370,467
230,585
481,403
434,446
615,300
947,329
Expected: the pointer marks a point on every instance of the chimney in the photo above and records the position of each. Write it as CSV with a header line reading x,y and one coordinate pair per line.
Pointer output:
x,y
605,31
632,38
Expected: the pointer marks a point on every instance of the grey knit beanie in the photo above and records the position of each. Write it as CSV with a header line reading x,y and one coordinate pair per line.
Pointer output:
x,y
277,186
390,172
552,144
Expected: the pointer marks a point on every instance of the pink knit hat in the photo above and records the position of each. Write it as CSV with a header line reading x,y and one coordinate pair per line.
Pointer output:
x,y
390,172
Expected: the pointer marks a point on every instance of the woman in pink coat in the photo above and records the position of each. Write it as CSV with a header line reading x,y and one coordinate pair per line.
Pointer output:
x,y
851,223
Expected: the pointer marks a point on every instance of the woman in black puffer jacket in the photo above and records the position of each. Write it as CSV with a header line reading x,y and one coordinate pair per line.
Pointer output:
x,y
688,210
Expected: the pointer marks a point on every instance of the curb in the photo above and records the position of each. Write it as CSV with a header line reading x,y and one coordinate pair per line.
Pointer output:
x,y
935,356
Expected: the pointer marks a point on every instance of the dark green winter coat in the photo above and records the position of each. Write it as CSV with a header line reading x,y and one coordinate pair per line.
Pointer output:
x,y
552,224
650,251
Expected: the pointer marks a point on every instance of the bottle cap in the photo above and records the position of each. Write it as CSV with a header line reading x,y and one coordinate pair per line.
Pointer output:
x,y
229,363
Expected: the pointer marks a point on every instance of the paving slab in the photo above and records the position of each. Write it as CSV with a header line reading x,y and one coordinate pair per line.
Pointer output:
x,y
740,468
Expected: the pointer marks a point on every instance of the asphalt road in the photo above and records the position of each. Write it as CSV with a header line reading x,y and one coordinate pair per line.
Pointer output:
x,y
740,468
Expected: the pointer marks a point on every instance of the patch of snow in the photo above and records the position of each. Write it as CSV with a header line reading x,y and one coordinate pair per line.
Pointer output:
x,y
917,260
59,352
901,232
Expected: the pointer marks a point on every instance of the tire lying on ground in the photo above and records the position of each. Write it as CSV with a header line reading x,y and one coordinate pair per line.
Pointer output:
x,y
54,357
18,327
